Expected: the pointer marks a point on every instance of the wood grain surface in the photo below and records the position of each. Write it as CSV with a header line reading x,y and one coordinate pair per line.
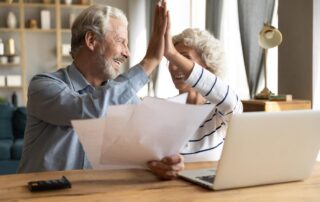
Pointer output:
x,y
141,185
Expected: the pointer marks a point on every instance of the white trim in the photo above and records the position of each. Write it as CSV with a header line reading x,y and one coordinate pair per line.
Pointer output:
x,y
316,57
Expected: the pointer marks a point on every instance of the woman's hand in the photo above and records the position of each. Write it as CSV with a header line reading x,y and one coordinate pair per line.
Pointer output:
x,y
168,167
169,51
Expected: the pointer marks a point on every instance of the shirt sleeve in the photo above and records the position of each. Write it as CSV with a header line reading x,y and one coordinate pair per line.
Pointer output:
x,y
51,100
213,89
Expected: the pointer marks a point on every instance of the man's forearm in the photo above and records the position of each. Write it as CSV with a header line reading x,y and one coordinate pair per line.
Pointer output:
x,y
148,65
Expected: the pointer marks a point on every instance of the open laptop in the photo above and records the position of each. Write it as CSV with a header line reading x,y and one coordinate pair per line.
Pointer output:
x,y
264,148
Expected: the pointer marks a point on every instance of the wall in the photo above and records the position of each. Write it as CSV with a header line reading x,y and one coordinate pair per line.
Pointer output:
x,y
295,53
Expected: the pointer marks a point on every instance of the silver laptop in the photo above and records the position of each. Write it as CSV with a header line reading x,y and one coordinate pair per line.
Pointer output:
x,y
264,148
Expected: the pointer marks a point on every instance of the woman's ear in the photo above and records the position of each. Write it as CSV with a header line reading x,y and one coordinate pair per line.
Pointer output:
x,y
90,40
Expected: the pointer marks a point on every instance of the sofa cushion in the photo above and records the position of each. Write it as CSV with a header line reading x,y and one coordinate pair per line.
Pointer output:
x,y
5,149
6,113
19,122
8,167
16,150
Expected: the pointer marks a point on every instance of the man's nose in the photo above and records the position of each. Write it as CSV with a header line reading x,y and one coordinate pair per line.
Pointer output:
x,y
126,53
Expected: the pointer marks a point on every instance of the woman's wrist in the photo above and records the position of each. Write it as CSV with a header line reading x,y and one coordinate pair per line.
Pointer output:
x,y
172,55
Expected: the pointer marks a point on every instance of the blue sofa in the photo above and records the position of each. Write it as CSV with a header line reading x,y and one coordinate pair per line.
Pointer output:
x,y
12,126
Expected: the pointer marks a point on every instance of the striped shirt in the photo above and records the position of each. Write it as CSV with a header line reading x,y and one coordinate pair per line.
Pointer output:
x,y
207,143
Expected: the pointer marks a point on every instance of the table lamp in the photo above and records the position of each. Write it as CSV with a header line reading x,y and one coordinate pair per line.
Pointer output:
x,y
269,37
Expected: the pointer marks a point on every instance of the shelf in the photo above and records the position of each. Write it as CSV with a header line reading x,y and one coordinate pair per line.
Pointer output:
x,y
66,30
3,4
10,87
58,34
79,6
10,65
37,5
40,30
3,29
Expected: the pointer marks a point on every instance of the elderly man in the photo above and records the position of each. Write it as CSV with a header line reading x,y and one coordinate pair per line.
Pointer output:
x,y
86,88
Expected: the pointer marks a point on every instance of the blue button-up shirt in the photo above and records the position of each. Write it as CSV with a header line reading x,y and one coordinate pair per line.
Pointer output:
x,y
54,100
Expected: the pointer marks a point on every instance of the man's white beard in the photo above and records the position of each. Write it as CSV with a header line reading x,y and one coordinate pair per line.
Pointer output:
x,y
106,64
108,70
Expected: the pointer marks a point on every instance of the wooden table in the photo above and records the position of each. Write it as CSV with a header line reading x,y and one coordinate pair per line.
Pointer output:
x,y
268,106
141,185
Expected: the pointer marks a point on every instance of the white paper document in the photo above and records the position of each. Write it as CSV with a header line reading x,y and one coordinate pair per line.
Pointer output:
x,y
181,98
131,135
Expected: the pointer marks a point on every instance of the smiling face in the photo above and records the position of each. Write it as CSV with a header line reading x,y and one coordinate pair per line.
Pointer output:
x,y
113,51
178,77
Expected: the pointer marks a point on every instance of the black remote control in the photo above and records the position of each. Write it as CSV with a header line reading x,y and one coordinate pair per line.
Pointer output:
x,y
43,185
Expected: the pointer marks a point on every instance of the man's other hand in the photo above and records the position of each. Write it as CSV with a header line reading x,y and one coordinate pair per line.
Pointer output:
x,y
168,167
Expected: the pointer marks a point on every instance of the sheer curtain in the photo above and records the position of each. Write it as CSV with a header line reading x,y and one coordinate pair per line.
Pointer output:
x,y
140,14
234,72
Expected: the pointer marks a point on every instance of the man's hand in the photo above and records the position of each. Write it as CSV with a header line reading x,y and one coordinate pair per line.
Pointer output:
x,y
168,167
156,45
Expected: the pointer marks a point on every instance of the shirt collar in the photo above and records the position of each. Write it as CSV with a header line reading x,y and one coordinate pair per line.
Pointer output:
x,y
77,79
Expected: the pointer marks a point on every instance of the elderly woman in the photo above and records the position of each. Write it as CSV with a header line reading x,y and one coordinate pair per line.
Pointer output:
x,y
195,62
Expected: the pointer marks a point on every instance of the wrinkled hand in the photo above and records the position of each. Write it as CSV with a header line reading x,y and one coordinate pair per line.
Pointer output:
x,y
170,50
171,53
156,45
168,167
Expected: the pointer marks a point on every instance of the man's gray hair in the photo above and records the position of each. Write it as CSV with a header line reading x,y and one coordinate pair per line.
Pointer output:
x,y
95,19
206,45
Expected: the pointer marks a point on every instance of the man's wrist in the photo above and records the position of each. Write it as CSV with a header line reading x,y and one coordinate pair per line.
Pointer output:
x,y
149,65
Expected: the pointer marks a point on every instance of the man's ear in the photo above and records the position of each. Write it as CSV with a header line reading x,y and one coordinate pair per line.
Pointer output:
x,y
90,40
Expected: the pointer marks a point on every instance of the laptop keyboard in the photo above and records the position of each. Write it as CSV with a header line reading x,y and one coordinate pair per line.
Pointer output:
x,y
208,178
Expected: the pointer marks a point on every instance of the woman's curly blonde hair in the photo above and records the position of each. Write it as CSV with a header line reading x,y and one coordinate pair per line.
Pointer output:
x,y
206,45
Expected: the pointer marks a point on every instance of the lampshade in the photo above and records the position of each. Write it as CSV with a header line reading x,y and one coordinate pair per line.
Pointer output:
x,y
269,37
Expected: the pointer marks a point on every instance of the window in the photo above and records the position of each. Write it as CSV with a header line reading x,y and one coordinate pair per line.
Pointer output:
x,y
190,14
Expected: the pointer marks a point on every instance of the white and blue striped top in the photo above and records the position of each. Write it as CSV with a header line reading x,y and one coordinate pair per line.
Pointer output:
x,y
207,143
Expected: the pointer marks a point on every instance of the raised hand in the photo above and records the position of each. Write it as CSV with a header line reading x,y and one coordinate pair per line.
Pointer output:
x,y
173,55
156,45
169,51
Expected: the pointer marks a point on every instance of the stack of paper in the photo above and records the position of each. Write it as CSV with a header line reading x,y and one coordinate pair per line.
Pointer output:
x,y
132,135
